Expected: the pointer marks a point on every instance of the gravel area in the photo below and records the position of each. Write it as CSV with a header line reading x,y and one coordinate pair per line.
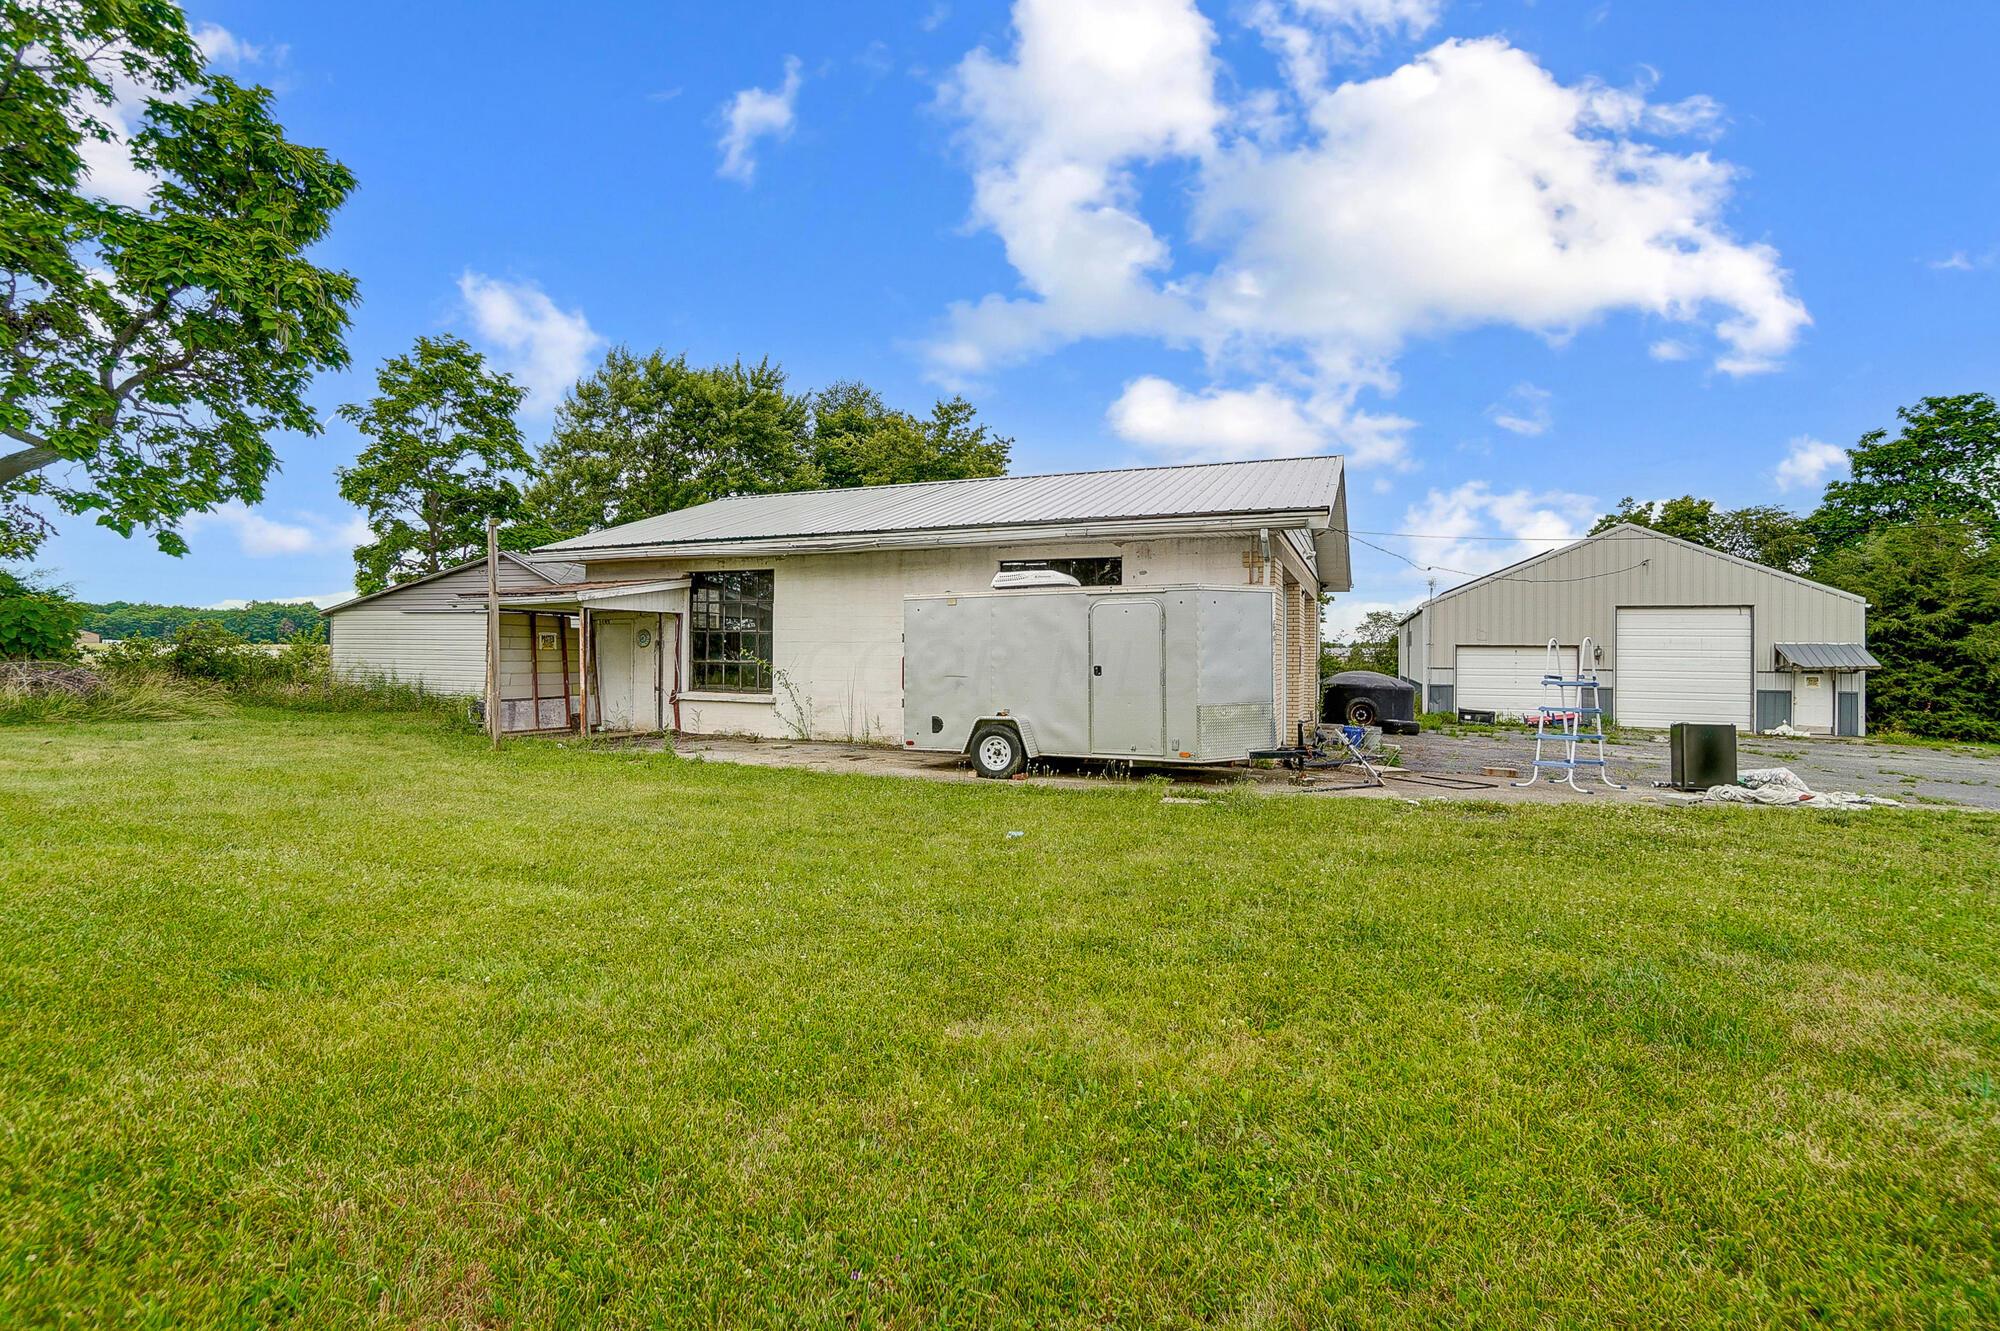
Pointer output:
x,y
1922,776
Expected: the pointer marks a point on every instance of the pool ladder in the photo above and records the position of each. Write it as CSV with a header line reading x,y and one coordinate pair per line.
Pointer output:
x,y
1563,723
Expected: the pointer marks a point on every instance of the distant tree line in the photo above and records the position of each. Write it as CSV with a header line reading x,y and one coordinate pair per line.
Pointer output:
x,y
641,435
260,621
1915,528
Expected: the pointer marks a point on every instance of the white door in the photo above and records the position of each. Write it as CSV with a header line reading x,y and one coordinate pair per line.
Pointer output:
x,y
1683,664
1127,678
1812,700
1507,680
626,666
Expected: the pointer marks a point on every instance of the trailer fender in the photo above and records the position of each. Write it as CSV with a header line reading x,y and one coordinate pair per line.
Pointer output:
x,y
1025,727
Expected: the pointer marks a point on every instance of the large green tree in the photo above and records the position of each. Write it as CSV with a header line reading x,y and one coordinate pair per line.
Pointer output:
x,y
857,439
1944,463
443,448
1933,590
1760,532
148,353
649,434
646,434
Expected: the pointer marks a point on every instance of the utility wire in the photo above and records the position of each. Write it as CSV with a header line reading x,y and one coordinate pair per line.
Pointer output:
x,y
1489,577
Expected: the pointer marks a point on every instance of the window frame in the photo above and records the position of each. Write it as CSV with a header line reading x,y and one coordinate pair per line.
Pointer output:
x,y
722,607
1115,564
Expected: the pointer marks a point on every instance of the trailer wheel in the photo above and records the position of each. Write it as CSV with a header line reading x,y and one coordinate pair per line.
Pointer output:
x,y
997,751
1361,712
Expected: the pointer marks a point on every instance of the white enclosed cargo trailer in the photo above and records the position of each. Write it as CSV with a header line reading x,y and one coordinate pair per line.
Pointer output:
x,y
1154,674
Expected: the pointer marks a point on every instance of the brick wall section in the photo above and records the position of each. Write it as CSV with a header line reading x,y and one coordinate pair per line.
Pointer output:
x,y
1300,676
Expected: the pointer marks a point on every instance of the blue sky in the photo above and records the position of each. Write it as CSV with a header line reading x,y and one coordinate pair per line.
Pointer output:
x,y
1515,260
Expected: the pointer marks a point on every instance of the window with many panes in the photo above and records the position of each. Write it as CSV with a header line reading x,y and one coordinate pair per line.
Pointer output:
x,y
1097,571
729,631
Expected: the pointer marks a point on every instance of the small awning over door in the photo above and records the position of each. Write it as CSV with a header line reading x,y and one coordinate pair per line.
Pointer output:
x,y
1825,656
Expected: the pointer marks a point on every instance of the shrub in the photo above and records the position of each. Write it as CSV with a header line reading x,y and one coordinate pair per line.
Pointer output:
x,y
201,651
37,622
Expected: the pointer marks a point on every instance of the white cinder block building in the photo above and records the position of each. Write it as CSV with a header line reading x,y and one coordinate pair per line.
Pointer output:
x,y
1679,632
782,615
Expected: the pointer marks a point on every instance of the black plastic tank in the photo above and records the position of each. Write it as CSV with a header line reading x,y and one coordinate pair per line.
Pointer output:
x,y
1367,698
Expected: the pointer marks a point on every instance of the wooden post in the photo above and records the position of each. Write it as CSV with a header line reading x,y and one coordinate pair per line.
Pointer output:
x,y
562,640
493,630
583,668
535,667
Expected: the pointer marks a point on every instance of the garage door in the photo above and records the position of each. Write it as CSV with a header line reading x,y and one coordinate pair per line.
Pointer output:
x,y
1507,680
1685,664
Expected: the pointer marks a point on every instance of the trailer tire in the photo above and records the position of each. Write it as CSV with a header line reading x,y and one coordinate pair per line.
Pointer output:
x,y
1361,712
996,751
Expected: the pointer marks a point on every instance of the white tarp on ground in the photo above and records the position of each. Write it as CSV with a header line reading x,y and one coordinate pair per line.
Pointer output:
x,y
1781,785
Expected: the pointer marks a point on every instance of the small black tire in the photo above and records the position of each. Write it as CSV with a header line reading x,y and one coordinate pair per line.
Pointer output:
x,y
996,751
1361,712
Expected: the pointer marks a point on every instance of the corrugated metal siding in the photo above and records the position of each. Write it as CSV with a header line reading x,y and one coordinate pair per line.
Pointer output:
x,y
1217,488
1576,593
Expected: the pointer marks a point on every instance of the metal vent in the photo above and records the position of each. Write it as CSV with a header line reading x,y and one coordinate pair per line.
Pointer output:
x,y
1233,727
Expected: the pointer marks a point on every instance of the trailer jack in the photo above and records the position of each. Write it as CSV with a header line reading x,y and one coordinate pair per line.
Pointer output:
x,y
1323,748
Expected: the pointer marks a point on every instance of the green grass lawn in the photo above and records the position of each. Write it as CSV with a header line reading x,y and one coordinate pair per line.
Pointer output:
x,y
325,1020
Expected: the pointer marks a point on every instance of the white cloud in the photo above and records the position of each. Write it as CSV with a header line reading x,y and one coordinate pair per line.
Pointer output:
x,y
1670,349
109,171
1343,616
1808,463
1958,261
753,114
934,18
1467,188
1452,527
220,46
1471,188
1524,411
320,599
544,347
1092,90
259,536
1228,424
1309,35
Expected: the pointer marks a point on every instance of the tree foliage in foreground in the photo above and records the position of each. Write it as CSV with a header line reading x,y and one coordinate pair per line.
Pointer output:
x,y
147,354
442,453
649,434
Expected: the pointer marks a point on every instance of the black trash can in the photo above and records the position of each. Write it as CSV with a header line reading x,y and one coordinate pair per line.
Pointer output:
x,y
1368,698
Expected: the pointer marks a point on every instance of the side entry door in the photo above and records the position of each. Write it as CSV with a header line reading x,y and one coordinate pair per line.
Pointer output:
x,y
1128,662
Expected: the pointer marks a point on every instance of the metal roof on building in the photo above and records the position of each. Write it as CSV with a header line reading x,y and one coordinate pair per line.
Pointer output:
x,y
1221,489
1826,656
549,569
